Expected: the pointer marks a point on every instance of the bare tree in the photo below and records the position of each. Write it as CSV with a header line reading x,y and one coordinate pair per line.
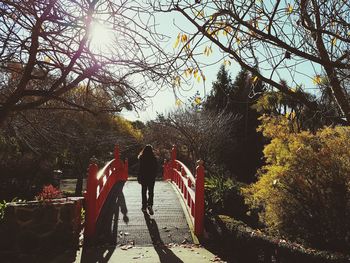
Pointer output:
x,y
51,47
62,139
272,39
198,134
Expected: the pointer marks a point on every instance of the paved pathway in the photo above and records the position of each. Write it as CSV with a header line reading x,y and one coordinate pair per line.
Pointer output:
x,y
125,234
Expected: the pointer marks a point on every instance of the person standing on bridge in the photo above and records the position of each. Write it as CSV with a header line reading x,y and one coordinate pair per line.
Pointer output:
x,y
147,176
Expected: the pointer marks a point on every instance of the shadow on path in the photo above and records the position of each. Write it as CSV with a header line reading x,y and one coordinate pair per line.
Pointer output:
x,y
164,253
107,227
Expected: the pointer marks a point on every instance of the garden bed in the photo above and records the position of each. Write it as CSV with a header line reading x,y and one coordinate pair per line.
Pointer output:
x,y
248,245
41,226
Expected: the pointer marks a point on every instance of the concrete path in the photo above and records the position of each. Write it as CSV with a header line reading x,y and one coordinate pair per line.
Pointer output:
x,y
143,254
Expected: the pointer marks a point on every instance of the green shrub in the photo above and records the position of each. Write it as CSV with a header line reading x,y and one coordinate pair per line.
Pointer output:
x,y
217,189
3,205
304,188
223,195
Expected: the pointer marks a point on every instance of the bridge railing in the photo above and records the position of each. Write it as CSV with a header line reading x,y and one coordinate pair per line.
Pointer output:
x,y
191,188
99,184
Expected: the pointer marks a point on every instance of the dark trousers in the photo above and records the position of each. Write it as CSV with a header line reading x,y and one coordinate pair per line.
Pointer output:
x,y
150,187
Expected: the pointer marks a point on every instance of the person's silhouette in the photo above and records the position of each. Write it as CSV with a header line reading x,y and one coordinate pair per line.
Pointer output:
x,y
147,176
164,253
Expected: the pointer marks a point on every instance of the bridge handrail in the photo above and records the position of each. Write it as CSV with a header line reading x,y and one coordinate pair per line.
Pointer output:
x,y
99,184
191,187
186,172
107,165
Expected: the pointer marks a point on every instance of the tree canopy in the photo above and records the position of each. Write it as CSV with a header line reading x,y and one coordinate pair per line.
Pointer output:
x,y
284,38
48,48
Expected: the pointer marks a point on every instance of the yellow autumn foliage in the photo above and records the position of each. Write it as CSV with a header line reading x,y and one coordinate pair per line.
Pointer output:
x,y
289,9
303,191
125,127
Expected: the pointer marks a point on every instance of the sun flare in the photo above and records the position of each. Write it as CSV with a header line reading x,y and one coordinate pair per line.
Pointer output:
x,y
100,38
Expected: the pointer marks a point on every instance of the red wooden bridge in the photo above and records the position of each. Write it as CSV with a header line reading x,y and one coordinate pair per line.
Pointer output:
x,y
180,195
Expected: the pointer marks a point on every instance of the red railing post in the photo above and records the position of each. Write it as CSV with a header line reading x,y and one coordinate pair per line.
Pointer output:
x,y
189,182
91,200
116,152
183,172
199,200
172,162
116,168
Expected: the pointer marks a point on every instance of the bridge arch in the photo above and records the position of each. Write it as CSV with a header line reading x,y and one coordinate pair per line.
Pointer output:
x,y
100,182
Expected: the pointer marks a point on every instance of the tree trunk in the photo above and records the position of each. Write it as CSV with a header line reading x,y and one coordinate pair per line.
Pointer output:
x,y
79,185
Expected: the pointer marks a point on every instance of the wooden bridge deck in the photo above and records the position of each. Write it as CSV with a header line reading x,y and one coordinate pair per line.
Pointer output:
x,y
123,223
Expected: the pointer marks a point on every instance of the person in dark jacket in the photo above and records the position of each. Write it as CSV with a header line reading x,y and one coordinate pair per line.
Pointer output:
x,y
147,176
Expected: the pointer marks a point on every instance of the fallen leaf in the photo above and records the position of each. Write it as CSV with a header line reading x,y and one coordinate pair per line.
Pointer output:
x,y
126,247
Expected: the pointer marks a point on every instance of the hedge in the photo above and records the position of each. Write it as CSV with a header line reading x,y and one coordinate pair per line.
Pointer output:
x,y
250,245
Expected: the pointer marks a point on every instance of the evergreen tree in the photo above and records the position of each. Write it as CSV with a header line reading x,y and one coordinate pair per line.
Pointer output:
x,y
220,93
238,97
248,156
